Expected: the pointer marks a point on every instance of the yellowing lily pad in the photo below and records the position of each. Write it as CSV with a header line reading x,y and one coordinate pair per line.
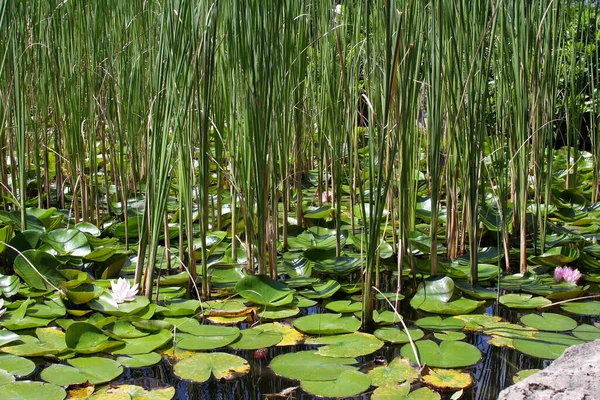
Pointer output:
x,y
401,392
290,336
447,379
200,367
525,373
347,384
133,392
348,345
477,322
252,339
398,371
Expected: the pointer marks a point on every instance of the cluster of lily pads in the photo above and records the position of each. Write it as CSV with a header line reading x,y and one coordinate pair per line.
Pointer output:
x,y
68,301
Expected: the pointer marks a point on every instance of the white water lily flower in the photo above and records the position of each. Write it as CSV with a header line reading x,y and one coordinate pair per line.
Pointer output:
x,y
2,309
123,291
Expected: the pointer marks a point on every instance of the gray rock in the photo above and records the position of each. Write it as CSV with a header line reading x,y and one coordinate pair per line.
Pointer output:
x,y
573,376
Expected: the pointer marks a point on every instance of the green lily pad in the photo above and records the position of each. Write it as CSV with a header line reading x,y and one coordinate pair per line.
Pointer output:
x,y
448,354
7,337
523,301
17,366
273,313
546,345
318,213
397,371
401,392
556,256
455,306
5,377
308,365
326,324
448,379
126,330
396,335
17,320
260,289
449,335
344,306
31,265
587,332
549,322
26,390
438,324
477,322
438,288
524,373
140,360
347,384
49,341
206,337
477,292
338,265
70,242
86,338
384,318
179,308
252,339
95,370
133,392
9,284
347,345
145,344
200,367
582,307
322,290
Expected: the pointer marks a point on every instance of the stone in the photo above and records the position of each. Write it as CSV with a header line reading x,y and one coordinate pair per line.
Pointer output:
x,y
573,376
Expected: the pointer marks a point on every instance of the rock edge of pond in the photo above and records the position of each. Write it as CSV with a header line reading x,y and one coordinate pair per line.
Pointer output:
x,y
573,376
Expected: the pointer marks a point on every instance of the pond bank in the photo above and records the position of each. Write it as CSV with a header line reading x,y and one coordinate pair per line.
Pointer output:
x,y
573,376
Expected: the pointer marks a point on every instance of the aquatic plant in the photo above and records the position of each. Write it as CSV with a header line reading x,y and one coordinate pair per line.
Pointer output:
x,y
567,274
2,308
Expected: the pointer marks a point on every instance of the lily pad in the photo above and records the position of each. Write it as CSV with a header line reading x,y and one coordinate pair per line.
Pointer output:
x,y
206,337
449,335
448,379
523,301
401,392
133,392
455,306
310,366
549,322
347,384
95,370
200,367
260,289
273,313
398,371
524,373
348,345
396,335
587,332
582,307
546,345
67,242
26,390
106,304
86,338
37,268
140,360
252,339
289,335
438,324
7,337
322,290
326,324
17,366
344,306
338,265
448,354
145,344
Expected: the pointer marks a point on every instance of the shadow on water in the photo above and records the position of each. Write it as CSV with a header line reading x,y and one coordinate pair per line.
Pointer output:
x,y
491,374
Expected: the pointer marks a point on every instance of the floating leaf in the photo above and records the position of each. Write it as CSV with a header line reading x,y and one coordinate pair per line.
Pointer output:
x,y
438,324
83,337
322,290
396,335
448,354
260,289
278,312
206,337
449,335
546,345
448,379
200,367
348,345
9,284
523,301
179,308
476,322
67,242
438,288
290,336
556,256
456,305
17,366
5,377
477,292
524,373
106,304
95,370
252,339
398,371
326,324
133,392
549,322
140,360
7,337
31,265
308,365
347,384
27,390
587,332
401,392
344,306
145,344
338,265
582,307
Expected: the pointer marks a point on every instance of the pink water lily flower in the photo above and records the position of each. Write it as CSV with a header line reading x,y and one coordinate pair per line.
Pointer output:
x,y
123,291
2,309
567,274
327,196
